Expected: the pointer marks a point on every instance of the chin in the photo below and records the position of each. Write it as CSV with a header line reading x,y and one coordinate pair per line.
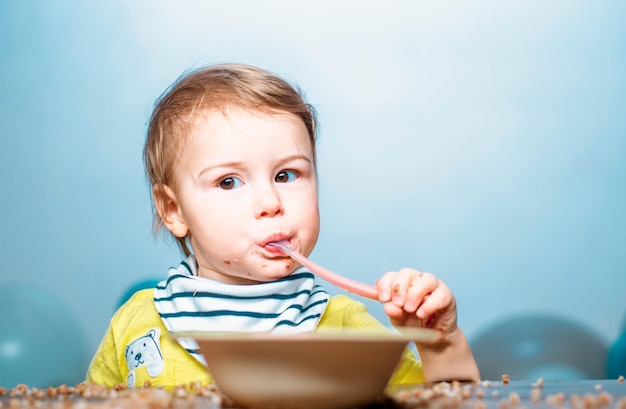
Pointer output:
x,y
277,275
264,277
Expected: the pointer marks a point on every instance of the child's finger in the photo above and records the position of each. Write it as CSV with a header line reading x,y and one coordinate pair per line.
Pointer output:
x,y
393,311
420,287
400,286
392,286
384,287
440,299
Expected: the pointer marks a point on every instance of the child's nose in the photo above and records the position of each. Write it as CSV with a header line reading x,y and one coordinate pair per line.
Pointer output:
x,y
269,203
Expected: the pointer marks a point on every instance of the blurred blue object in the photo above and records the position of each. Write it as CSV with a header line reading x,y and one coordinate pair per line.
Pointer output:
x,y
533,346
41,341
140,285
616,361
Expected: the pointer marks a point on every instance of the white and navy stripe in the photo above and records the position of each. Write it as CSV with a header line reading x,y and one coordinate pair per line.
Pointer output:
x,y
187,302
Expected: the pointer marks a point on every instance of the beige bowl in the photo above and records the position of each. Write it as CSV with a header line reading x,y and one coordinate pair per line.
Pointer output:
x,y
305,371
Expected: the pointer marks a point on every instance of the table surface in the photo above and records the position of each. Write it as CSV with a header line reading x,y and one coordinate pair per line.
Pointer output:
x,y
578,394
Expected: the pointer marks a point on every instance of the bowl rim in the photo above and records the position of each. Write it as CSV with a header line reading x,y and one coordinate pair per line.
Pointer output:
x,y
327,334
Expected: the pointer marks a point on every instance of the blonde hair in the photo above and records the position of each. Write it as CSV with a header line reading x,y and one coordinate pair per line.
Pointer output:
x,y
214,87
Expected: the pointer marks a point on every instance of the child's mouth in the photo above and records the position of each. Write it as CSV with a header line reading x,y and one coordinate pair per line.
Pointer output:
x,y
273,249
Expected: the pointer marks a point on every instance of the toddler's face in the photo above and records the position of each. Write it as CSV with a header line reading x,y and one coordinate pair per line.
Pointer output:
x,y
245,178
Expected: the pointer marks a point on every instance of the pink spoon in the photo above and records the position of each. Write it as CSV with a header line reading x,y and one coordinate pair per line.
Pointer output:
x,y
354,287
418,335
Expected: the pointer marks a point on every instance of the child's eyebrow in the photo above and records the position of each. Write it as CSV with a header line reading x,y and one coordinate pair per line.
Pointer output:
x,y
233,164
241,164
296,157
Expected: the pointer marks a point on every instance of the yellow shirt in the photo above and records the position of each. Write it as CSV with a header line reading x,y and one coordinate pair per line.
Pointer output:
x,y
137,327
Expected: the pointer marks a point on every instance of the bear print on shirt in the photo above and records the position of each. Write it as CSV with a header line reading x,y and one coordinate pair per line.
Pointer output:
x,y
145,351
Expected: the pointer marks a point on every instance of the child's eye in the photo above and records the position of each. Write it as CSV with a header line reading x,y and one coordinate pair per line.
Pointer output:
x,y
230,183
285,176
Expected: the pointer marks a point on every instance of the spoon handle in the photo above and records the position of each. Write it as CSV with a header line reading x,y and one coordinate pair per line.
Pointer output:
x,y
354,287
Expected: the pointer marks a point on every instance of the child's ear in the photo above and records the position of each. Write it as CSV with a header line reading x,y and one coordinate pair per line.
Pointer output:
x,y
169,210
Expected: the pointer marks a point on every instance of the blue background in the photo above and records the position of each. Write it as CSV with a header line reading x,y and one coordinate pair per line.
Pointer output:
x,y
483,141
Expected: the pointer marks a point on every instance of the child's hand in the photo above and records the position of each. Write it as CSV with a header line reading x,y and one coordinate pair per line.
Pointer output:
x,y
416,299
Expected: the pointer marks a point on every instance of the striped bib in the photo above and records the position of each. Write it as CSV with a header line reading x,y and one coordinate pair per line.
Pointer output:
x,y
187,302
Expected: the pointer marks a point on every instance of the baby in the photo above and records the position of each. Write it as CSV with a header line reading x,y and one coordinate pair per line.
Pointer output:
x,y
230,155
